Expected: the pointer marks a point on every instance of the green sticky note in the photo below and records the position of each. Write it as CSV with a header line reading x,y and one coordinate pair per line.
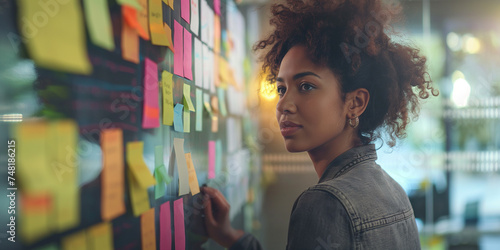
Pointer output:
x,y
222,101
178,110
187,97
162,171
199,108
99,23
218,157
131,3
160,189
187,121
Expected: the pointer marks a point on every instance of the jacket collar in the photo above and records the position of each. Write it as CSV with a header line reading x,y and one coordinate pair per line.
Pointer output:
x,y
347,160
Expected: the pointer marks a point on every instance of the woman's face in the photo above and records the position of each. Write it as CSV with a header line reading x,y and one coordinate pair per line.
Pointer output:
x,y
310,111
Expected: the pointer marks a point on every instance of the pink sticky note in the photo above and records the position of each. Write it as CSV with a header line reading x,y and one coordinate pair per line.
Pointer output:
x,y
151,111
211,159
165,228
178,47
188,47
217,7
180,237
185,11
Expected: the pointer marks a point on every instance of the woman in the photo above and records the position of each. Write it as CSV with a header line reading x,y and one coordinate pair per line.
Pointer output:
x,y
340,79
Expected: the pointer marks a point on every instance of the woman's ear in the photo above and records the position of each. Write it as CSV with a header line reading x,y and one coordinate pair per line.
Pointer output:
x,y
357,101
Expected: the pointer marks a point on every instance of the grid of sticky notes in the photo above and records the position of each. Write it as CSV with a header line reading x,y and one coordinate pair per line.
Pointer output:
x,y
51,195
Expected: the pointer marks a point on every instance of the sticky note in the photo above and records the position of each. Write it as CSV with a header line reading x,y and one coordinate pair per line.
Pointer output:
x,y
193,179
214,101
178,123
218,156
199,110
35,214
100,236
217,7
168,32
206,66
179,49
137,165
148,232
215,124
165,227
142,17
139,198
195,16
160,188
66,207
211,159
158,34
75,241
131,3
222,101
151,115
187,121
130,41
185,11
215,72
198,63
180,232
181,166
99,23
132,17
188,47
217,33
168,98
169,3
56,38
188,103
112,174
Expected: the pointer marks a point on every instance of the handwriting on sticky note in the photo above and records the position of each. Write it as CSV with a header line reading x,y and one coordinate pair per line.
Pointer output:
x,y
188,47
211,159
168,98
180,232
181,166
158,34
178,123
148,233
58,44
179,49
137,165
101,236
193,179
165,227
151,116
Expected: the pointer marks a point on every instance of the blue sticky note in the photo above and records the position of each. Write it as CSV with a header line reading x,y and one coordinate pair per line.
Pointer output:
x,y
178,123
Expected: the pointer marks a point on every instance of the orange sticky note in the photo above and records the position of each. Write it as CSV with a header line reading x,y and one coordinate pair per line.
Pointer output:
x,y
101,237
168,32
148,233
139,198
130,39
137,165
142,17
132,17
193,179
112,175
215,124
217,34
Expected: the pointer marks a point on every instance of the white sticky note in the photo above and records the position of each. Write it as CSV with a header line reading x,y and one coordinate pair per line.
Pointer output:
x,y
181,166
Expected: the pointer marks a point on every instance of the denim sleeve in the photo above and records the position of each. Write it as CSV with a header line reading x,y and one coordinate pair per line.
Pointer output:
x,y
246,242
319,221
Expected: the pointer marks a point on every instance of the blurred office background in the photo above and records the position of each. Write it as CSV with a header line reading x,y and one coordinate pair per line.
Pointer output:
x,y
449,163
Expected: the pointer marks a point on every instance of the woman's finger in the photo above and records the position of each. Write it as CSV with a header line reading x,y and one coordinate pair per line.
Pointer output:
x,y
209,217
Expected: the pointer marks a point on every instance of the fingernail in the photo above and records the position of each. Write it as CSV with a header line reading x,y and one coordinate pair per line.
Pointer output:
x,y
204,185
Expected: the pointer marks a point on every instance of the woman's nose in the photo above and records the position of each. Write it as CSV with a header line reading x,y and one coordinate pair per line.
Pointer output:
x,y
286,104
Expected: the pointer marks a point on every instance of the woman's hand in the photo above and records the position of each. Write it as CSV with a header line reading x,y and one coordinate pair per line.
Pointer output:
x,y
217,218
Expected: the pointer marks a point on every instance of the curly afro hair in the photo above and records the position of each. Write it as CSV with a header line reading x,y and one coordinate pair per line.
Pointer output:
x,y
351,38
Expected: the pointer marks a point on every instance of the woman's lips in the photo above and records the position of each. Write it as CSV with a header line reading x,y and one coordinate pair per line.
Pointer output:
x,y
289,128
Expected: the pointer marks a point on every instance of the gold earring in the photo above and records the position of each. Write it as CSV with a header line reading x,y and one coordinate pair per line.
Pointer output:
x,y
356,122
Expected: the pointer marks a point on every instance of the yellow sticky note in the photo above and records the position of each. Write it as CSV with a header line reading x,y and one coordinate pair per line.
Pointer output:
x,y
168,98
62,152
75,241
193,179
130,42
35,220
169,3
142,17
215,104
56,38
99,23
112,174
66,210
32,150
101,237
187,121
168,32
187,97
138,196
158,35
131,3
148,233
137,165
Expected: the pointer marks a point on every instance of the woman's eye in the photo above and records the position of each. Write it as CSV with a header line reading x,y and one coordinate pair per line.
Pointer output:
x,y
281,90
306,87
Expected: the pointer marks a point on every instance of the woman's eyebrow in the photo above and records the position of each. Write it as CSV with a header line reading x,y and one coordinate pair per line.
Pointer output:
x,y
299,75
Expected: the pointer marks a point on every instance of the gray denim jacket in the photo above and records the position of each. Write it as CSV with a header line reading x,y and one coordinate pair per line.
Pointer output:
x,y
355,205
